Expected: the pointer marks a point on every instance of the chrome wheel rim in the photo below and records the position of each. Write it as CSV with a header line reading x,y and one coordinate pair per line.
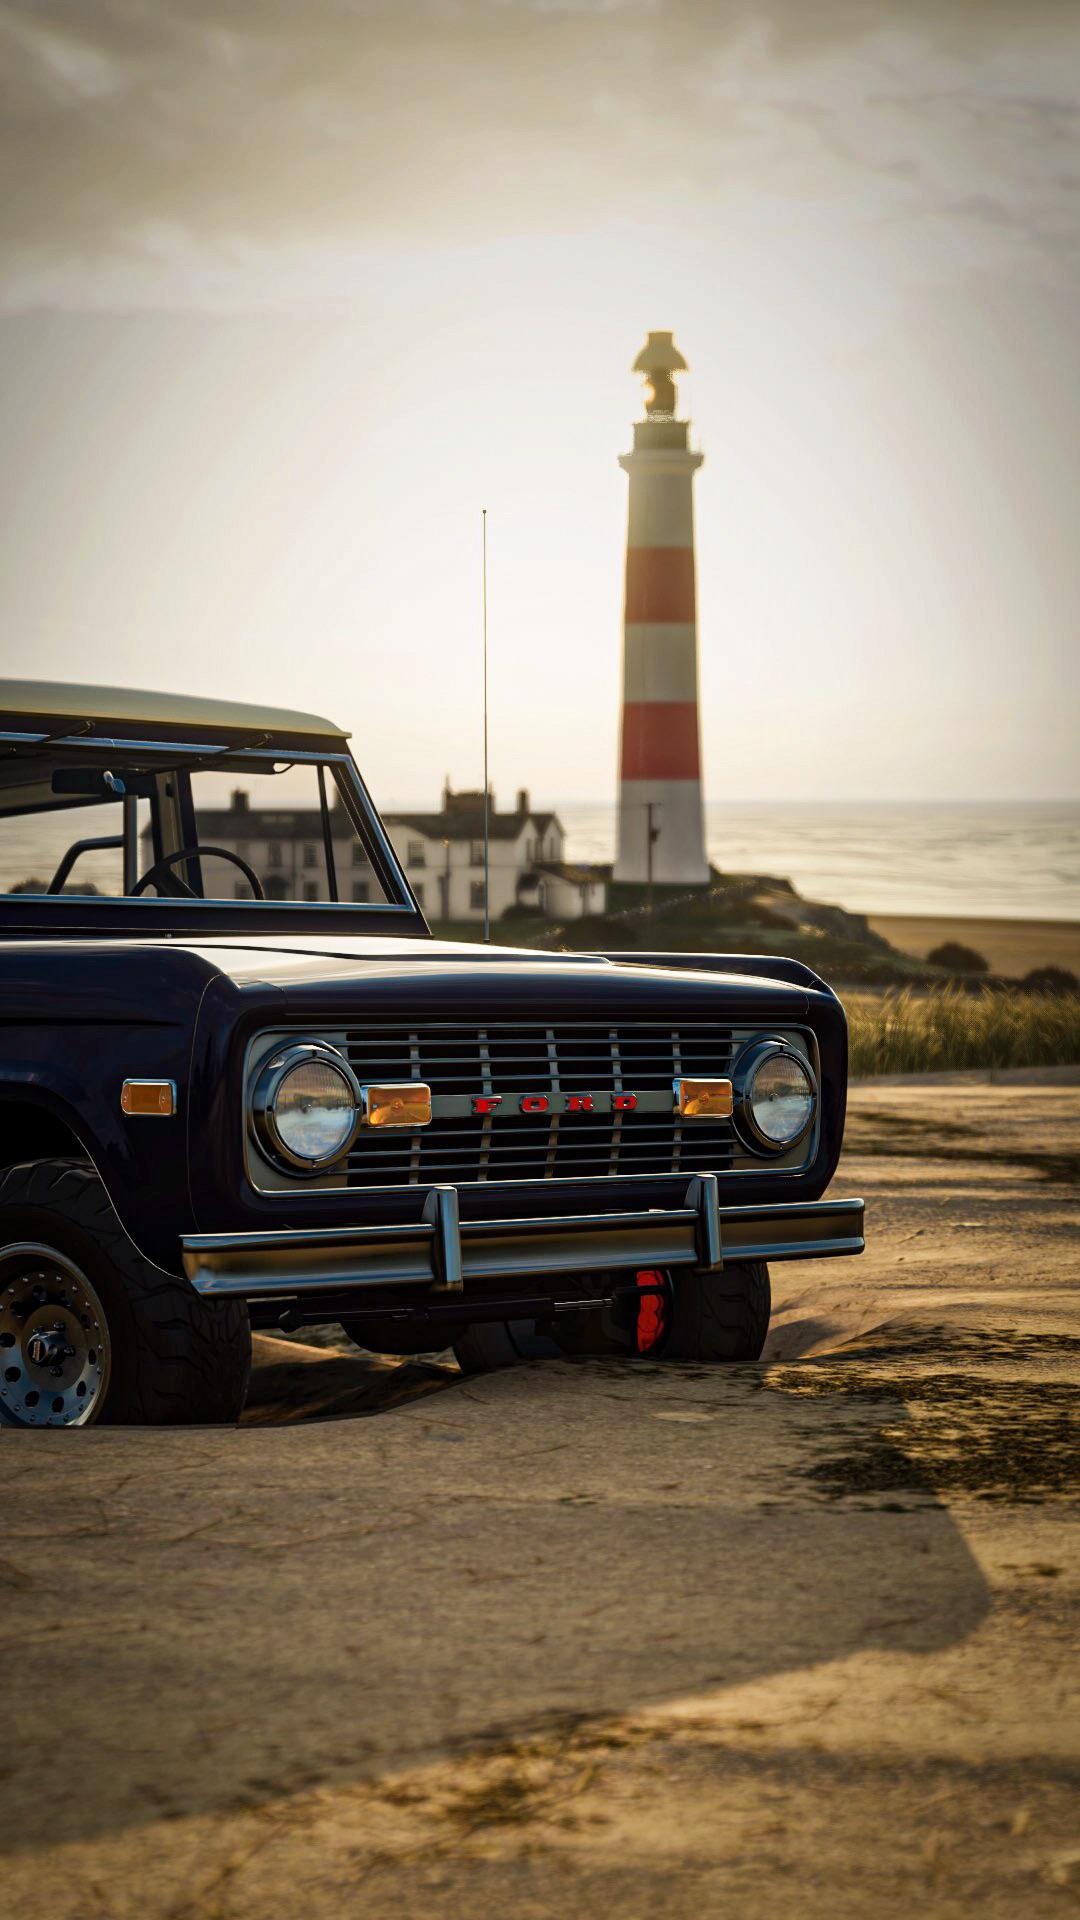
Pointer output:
x,y
55,1351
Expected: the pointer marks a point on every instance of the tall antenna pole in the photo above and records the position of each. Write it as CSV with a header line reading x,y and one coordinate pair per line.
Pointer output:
x,y
487,786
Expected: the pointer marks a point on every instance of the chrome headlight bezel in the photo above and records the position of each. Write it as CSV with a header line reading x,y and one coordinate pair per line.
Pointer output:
x,y
744,1075
267,1085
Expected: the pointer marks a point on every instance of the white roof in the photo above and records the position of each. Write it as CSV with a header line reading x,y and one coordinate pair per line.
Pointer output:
x,y
129,704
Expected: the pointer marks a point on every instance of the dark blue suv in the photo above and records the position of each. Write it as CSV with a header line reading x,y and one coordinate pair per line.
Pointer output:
x,y
242,1085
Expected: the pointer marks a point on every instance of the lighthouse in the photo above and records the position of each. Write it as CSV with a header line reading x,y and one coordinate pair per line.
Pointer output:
x,y
661,821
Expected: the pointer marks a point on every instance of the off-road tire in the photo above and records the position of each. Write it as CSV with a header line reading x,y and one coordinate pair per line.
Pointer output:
x,y
176,1359
719,1316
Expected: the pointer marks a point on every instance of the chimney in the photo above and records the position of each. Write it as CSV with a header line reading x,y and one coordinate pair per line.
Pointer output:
x,y
523,800
240,800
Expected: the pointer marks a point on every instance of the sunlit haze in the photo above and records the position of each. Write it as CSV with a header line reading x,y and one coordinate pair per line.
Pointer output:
x,y
291,293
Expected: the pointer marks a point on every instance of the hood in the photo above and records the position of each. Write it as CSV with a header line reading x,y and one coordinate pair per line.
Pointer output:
x,y
453,978
297,959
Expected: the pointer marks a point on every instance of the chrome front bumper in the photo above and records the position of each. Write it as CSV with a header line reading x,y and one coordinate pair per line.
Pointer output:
x,y
444,1252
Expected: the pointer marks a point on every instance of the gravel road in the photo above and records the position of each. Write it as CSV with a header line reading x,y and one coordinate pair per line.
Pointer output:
x,y
793,1639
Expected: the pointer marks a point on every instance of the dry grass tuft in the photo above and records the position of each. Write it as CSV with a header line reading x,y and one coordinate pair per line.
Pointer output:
x,y
940,1032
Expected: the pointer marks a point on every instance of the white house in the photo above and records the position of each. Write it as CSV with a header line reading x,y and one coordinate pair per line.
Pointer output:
x,y
443,854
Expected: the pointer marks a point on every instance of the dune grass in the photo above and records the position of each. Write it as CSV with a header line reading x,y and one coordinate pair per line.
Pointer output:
x,y
937,1032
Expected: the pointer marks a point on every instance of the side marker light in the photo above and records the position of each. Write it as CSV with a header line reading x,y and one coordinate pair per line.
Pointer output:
x,y
156,1099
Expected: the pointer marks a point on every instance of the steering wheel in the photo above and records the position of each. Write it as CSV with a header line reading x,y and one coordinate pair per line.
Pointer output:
x,y
155,874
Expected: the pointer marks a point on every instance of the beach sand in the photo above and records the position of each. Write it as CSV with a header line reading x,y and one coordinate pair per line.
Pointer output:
x,y
793,1640
1011,947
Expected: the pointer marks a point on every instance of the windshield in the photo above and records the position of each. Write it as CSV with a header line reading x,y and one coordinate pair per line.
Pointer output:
x,y
120,823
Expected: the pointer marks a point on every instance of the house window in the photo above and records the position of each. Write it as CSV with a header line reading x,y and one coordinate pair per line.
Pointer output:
x,y
417,854
359,857
273,853
476,894
310,855
418,889
311,889
361,891
476,853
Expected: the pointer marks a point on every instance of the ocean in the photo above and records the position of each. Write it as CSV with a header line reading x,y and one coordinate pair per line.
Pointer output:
x,y
1006,860
1003,860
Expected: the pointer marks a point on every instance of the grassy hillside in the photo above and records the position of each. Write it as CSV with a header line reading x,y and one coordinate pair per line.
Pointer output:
x,y
843,950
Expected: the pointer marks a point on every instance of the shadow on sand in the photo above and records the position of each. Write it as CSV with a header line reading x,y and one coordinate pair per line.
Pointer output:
x,y
323,1595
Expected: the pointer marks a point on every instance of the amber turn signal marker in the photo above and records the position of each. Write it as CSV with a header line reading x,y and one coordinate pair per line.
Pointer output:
x,y
154,1097
405,1105
704,1099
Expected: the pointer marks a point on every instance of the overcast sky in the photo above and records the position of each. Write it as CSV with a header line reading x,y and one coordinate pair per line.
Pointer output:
x,y
290,291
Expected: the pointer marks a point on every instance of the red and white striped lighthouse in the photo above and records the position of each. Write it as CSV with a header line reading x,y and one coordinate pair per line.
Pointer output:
x,y
661,822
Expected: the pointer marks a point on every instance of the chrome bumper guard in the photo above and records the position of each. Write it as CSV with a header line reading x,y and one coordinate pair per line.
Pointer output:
x,y
443,1252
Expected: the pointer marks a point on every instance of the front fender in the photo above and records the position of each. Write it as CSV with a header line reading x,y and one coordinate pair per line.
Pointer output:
x,y
86,1021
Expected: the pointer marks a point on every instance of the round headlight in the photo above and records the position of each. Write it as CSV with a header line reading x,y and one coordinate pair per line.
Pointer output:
x,y
777,1096
305,1107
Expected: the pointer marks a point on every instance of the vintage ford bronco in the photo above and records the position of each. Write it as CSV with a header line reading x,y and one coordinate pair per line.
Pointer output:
x,y
242,1086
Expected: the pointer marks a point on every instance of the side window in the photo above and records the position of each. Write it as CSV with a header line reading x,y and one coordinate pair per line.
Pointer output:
x,y
69,841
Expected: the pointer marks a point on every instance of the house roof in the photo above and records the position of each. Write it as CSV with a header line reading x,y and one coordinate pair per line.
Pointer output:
x,y
467,823
269,823
566,870
305,823
59,700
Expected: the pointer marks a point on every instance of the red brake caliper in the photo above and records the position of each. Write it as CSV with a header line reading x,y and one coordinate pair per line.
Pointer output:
x,y
652,1312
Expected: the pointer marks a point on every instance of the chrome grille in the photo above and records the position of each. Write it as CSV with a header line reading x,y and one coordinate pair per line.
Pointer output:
x,y
512,1060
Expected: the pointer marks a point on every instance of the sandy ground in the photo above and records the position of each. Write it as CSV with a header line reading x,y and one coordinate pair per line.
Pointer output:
x,y
794,1639
1011,947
